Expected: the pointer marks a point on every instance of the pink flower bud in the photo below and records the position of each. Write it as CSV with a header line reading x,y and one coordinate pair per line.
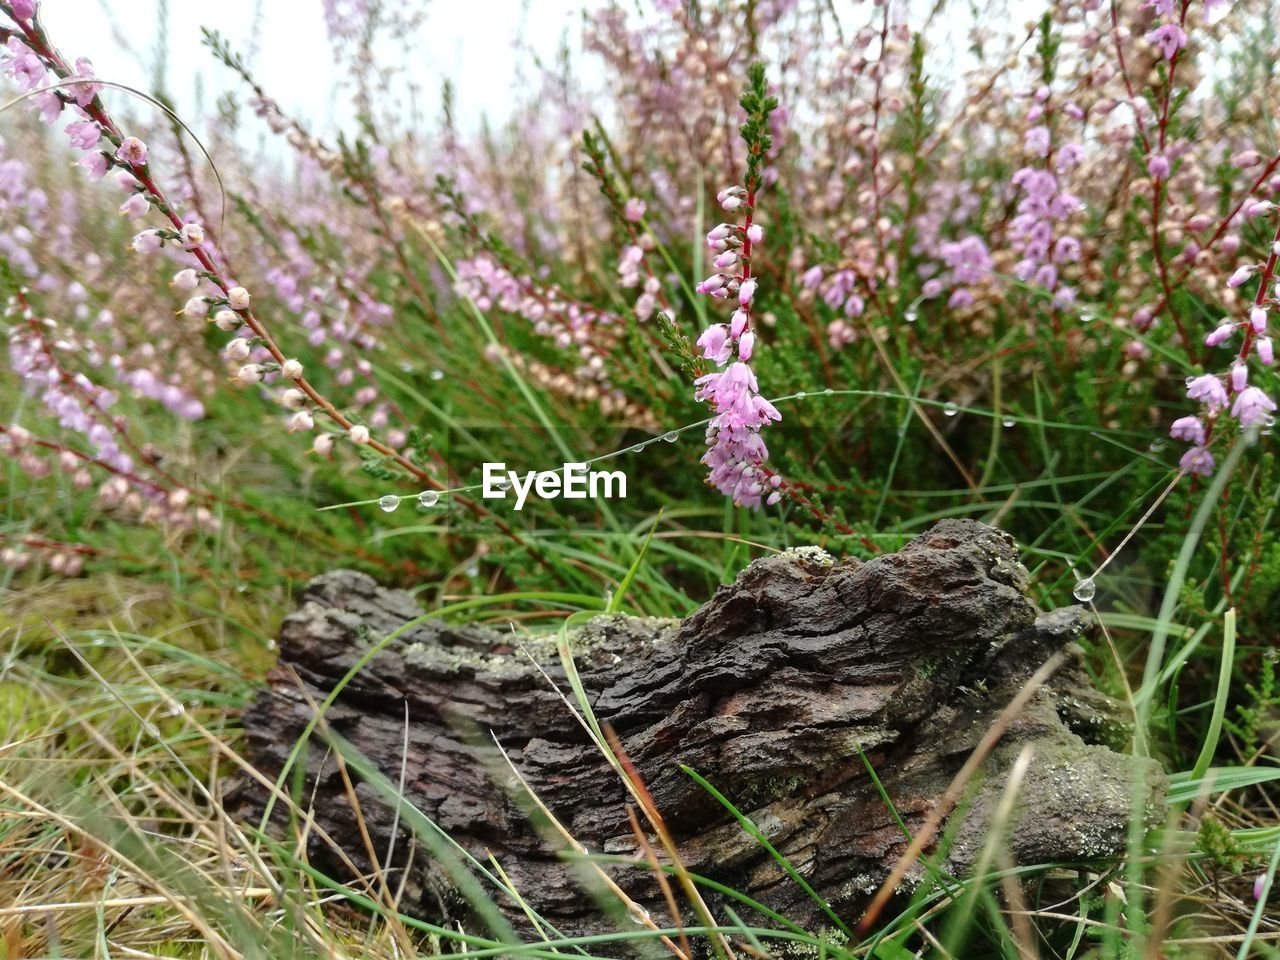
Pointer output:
x,y
1246,158
227,320
1266,355
238,298
711,284
755,233
185,280
301,422
727,260
133,151
731,203
1241,275
1220,335
1158,166
747,292
1258,318
249,373
359,433
323,444
293,398
136,206
634,210
24,9
746,346
148,241
238,349
737,323
291,369
191,236
1239,376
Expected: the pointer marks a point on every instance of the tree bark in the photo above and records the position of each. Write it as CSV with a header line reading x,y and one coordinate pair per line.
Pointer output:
x,y
770,691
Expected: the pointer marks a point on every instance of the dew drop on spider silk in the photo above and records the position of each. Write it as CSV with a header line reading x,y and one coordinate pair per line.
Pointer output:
x,y
1007,423
389,503
428,498
503,484
1155,446
473,571
950,409
800,394
437,374
1085,590
670,437
911,316
828,392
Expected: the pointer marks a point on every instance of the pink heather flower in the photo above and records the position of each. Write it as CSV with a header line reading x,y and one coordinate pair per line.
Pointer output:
x,y
1037,141
95,164
1190,429
1258,318
1239,376
1197,460
1220,335
1246,158
359,433
746,292
731,203
323,444
1158,166
197,308
755,233
227,320
715,343
83,93
84,134
711,284
1241,275
237,349
1169,37
238,298
1252,406
301,422
1259,886
136,206
291,369
191,236
634,210
727,260
146,242
1266,353
249,373
133,151
746,346
293,398
1163,8
185,280
738,323
1208,389
811,277
24,9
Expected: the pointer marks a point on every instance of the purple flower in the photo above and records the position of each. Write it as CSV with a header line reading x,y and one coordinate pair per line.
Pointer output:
x,y
1190,429
811,277
1197,460
84,134
634,210
133,151
1252,406
1241,275
1169,37
715,343
1037,141
1158,166
96,165
1220,335
747,292
1208,389
24,9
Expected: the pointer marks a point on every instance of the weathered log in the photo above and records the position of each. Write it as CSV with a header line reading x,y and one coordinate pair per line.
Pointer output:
x,y
769,691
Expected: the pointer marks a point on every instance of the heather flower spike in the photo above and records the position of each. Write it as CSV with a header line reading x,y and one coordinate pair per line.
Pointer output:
x,y
736,452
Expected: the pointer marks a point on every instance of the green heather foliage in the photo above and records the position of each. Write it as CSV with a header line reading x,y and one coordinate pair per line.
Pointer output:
x,y
1014,271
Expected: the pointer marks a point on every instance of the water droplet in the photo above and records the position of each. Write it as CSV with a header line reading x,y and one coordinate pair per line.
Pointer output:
x,y
437,374
639,447
1156,446
639,915
911,316
800,394
473,571
1007,423
504,483
389,503
828,391
1189,381
176,709
1085,590
670,437
950,409
428,498
1086,316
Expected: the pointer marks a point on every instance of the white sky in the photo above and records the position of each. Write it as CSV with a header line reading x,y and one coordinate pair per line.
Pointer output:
x,y
469,41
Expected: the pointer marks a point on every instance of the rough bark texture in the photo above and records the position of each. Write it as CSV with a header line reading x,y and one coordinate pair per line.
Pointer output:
x,y
768,691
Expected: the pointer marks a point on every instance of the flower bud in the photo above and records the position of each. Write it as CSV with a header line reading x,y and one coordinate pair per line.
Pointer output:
x,y
1241,275
197,308
185,280
323,444
293,398
238,298
359,433
249,373
238,349
755,233
191,236
1220,335
301,422
291,369
227,320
